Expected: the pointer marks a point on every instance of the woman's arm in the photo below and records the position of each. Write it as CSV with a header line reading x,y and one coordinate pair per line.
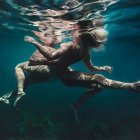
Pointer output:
x,y
41,37
90,66
93,68
45,50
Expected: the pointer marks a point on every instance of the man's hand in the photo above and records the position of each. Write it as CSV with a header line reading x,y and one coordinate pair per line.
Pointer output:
x,y
108,69
29,39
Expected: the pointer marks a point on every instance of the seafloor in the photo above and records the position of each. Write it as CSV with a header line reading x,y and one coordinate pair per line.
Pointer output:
x,y
45,112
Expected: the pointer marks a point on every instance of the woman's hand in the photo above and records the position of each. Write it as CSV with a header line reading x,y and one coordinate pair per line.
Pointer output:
x,y
108,69
29,39
103,68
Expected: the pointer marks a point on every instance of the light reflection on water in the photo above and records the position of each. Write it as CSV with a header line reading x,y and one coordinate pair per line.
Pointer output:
x,y
119,109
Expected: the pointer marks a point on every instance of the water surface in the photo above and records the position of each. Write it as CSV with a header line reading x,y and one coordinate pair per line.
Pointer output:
x,y
45,113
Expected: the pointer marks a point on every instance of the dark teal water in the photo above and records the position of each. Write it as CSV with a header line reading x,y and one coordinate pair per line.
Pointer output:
x,y
45,112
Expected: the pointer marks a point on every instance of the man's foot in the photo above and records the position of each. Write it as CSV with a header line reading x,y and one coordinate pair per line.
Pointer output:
x,y
19,96
137,87
75,110
5,97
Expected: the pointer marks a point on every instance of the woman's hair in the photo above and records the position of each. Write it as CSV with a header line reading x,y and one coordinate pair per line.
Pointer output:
x,y
87,39
94,38
85,24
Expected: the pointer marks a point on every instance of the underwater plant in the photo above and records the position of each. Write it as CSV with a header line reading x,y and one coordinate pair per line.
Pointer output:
x,y
35,127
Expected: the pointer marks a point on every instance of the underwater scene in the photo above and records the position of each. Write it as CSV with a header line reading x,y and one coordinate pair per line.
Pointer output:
x,y
48,110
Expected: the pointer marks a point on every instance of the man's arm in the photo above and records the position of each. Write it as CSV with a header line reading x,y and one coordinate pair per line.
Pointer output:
x,y
45,50
93,68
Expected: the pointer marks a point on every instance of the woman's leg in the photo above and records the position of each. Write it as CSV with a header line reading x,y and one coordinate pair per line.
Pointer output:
x,y
20,76
40,73
75,78
29,80
109,83
93,84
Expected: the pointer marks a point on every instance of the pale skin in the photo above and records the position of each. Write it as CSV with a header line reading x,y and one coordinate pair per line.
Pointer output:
x,y
52,57
19,72
66,48
72,78
93,83
56,55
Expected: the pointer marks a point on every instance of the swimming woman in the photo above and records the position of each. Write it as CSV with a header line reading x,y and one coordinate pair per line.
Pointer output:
x,y
53,63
